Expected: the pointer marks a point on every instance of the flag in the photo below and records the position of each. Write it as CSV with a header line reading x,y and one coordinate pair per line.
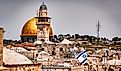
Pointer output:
x,y
82,57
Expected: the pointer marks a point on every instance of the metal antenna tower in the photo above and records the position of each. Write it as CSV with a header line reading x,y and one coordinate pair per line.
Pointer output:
x,y
98,32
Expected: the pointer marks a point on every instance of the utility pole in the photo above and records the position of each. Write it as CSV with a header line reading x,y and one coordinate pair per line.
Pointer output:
x,y
98,32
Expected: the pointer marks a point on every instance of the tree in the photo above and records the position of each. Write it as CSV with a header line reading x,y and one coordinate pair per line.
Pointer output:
x,y
115,39
54,38
60,37
77,36
67,36
90,39
86,37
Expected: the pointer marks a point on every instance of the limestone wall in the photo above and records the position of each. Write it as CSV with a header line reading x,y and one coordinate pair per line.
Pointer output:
x,y
1,45
31,67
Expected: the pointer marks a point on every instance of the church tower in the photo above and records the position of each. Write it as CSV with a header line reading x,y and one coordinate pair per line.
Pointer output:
x,y
43,23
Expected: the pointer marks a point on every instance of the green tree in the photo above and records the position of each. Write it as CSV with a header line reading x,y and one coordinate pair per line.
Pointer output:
x,y
60,37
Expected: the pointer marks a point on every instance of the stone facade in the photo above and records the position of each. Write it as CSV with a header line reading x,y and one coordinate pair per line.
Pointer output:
x,y
61,68
1,45
15,67
25,67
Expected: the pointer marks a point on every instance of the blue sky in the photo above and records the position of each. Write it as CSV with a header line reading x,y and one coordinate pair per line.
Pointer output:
x,y
68,16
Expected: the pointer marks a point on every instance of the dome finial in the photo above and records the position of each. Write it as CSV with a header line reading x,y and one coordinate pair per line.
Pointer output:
x,y
43,3
43,6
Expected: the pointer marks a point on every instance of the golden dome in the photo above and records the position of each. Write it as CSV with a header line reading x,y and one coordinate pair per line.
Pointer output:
x,y
30,28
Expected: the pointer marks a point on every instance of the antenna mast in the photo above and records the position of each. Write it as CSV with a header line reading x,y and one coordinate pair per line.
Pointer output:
x,y
98,32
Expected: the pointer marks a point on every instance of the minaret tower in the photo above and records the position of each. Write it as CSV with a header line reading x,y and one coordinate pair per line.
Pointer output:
x,y
43,23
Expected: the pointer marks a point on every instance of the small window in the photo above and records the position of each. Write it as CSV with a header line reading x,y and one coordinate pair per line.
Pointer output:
x,y
53,49
61,49
53,53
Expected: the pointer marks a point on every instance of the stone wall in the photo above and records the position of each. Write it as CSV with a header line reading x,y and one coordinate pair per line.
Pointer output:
x,y
29,54
17,67
29,67
1,45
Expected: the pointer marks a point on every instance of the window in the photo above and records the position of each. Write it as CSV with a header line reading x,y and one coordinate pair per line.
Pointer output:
x,y
53,49
61,49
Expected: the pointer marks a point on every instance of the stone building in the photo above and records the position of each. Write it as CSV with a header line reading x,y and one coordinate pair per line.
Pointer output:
x,y
62,68
1,45
12,61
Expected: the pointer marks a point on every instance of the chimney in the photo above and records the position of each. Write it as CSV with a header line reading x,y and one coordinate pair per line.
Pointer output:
x,y
1,45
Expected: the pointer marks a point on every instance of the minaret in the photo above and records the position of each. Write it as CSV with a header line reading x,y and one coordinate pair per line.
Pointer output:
x,y
43,11
1,45
43,23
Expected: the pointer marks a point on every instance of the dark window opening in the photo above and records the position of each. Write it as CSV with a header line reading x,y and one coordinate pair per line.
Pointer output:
x,y
61,49
53,53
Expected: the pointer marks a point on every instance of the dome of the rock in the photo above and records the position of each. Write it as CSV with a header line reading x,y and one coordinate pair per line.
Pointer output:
x,y
30,28
38,27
